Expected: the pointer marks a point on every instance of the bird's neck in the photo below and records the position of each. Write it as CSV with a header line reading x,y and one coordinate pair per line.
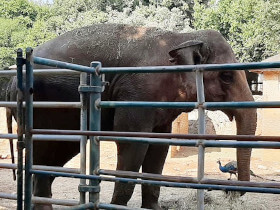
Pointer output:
x,y
223,169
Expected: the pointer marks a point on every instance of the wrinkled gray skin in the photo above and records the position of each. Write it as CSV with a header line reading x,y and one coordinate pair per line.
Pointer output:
x,y
119,45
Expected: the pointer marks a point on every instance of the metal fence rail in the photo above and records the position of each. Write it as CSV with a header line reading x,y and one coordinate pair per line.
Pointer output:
x,y
96,85
158,135
42,200
44,104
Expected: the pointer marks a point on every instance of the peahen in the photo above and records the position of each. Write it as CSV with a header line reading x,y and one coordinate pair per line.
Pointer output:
x,y
231,168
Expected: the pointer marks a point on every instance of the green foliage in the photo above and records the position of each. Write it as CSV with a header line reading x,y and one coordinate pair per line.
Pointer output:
x,y
114,4
154,16
271,26
250,26
10,36
185,6
71,14
22,24
17,8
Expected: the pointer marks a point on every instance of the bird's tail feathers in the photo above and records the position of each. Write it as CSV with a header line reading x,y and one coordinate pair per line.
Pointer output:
x,y
255,175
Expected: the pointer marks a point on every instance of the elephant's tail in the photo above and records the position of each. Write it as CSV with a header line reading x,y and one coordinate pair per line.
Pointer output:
x,y
10,130
9,117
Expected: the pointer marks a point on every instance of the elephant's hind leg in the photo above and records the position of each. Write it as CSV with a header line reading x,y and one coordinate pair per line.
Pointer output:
x,y
153,163
130,158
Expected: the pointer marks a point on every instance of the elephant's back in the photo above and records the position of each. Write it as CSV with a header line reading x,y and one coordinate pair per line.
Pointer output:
x,y
111,44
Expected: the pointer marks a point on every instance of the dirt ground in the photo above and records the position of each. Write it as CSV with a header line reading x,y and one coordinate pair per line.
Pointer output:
x,y
170,198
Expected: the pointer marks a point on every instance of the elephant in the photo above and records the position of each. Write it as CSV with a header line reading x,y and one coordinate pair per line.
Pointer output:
x,y
117,45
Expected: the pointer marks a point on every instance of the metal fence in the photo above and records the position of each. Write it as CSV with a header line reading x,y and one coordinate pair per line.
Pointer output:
x,y
26,134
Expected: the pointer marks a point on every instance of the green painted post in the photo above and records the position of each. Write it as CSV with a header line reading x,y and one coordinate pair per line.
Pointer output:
x,y
83,142
95,122
20,143
28,127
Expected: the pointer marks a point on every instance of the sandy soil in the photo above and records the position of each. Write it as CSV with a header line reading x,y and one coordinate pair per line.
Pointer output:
x,y
171,198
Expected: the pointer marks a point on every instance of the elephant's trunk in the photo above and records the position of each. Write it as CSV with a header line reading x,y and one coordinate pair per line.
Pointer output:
x,y
246,122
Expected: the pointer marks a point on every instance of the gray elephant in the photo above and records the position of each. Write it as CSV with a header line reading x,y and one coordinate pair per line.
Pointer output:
x,y
121,45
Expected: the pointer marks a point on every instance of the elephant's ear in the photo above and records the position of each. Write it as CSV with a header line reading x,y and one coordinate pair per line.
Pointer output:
x,y
194,52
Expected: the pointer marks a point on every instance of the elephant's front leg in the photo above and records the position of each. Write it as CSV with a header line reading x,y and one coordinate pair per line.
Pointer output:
x,y
153,163
130,158
42,188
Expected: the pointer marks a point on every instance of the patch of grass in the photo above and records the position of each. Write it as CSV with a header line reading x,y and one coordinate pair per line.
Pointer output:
x,y
214,200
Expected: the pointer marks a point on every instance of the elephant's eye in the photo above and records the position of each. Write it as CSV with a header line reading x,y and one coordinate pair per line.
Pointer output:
x,y
226,77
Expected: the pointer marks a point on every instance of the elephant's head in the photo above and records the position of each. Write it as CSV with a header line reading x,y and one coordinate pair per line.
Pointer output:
x,y
221,86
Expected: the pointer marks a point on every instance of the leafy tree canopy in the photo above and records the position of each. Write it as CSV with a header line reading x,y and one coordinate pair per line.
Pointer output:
x,y
250,26
22,24
169,14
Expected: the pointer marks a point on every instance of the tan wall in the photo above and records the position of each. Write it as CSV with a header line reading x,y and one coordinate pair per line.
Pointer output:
x,y
216,123
179,125
269,119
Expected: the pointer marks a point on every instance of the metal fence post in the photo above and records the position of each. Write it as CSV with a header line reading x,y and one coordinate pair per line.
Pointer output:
x,y
94,125
20,143
28,127
201,130
83,142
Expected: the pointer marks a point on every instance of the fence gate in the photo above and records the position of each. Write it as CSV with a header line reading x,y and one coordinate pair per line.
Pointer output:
x,y
26,134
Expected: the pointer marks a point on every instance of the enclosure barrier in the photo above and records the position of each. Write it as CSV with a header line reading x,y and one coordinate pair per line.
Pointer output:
x,y
26,133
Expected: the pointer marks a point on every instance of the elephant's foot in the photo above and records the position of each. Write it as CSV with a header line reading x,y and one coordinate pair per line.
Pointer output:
x,y
42,207
150,195
122,193
154,206
119,200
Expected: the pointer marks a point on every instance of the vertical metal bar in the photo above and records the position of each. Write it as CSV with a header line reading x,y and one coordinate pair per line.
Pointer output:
x,y
95,121
28,127
201,130
83,143
20,63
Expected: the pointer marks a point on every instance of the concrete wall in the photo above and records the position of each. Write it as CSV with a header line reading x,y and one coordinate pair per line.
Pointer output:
x,y
269,119
216,123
